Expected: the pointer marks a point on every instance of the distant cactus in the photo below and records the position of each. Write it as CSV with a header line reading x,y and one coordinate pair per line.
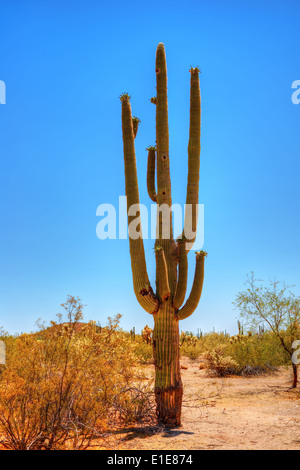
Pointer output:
x,y
261,330
199,334
147,334
132,334
240,327
191,340
171,256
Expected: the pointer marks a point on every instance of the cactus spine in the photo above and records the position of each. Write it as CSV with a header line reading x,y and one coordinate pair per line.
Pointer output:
x,y
171,256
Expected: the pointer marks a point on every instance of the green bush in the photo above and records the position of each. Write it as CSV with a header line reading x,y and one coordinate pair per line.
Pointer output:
x,y
219,364
253,353
143,351
257,352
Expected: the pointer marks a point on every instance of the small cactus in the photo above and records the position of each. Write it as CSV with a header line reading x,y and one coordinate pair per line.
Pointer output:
x,y
147,334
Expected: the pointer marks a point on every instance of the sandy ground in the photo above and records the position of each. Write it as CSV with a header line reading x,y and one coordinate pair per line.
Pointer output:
x,y
243,413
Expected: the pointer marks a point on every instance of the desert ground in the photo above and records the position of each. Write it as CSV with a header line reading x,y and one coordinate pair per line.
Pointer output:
x,y
244,413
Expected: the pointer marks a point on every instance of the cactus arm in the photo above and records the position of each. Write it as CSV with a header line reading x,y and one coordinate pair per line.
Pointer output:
x,y
193,157
193,300
163,288
163,165
182,274
162,126
151,174
135,125
162,129
141,284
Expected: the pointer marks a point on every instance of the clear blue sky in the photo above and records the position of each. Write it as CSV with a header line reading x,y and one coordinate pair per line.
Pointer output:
x,y
65,64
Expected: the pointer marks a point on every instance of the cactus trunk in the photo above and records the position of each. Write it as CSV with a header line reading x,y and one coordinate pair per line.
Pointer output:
x,y
168,385
171,256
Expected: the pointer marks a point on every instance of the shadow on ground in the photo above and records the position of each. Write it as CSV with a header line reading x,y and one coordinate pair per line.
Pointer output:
x,y
133,432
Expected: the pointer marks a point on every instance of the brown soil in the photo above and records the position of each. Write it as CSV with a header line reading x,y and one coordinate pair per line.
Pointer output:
x,y
245,413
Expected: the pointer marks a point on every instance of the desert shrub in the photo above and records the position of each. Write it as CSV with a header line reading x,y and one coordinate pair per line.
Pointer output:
x,y
135,404
143,351
256,353
212,340
189,346
253,352
272,306
58,387
190,350
218,364
194,347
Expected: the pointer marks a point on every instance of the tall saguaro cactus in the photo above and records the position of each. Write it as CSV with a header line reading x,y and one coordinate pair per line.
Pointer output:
x,y
171,256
